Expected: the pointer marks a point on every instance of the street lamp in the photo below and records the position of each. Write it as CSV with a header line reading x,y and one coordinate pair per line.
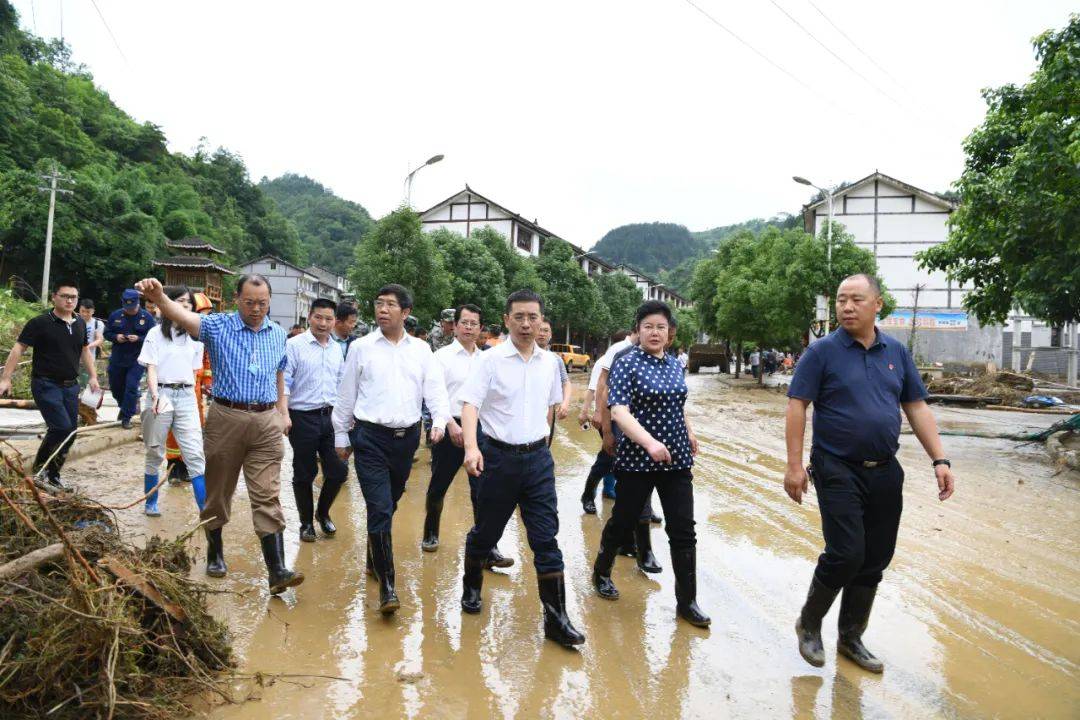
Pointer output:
x,y
408,178
828,243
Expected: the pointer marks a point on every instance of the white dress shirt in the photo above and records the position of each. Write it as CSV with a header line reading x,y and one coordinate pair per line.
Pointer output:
x,y
512,395
604,363
457,364
384,383
176,360
312,372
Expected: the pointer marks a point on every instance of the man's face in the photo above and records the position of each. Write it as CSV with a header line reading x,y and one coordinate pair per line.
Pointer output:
x,y
253,303
389,315
543,335
320,321
87,314
467,329
857,305
523,321
447,327
344,328
65,299
131,309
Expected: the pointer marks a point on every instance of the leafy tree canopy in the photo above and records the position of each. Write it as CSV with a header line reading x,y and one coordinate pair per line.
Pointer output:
x,y
621,296
475,276
571,298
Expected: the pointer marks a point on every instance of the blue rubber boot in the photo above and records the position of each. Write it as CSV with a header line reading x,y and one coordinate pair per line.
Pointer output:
x,y
609,487
149,483
198,486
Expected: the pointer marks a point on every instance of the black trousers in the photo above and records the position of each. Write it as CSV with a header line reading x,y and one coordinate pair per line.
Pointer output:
x,y
676,491
509,480
446,459
860,516
383,460
604,464
312,440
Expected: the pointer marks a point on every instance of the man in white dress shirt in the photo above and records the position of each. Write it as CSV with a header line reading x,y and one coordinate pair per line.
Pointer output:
x,y
509,394
458,359
605,460
387,375
313,365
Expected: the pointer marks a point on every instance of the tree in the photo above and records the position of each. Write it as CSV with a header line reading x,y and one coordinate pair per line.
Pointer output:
x,y
475,276
1016,233
649,247
571,299
687,333
397,250
621,296
519,272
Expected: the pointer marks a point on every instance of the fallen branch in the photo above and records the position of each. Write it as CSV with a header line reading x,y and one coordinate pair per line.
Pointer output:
x,y
31,560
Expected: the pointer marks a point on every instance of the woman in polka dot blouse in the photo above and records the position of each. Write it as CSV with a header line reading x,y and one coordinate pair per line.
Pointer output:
x,y
646,394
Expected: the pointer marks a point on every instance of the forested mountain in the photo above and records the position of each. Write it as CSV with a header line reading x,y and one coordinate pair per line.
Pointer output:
x,y
129,193
329,227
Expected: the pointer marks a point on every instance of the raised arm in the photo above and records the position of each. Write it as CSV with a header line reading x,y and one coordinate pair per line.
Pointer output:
x,y
151,289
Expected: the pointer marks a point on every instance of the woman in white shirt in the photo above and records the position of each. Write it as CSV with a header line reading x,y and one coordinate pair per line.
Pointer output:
x,y
171,358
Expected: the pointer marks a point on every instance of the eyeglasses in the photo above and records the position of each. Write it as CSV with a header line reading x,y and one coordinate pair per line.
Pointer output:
x,y
522,317
388,304
67,296
468,323
253,304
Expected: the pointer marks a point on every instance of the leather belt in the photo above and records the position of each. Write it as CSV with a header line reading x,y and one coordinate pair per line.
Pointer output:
x,y
874,463
246,407
175,386
325,410
396,432
520,449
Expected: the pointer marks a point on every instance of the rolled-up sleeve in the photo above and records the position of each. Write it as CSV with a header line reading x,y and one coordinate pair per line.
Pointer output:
x,y
806,383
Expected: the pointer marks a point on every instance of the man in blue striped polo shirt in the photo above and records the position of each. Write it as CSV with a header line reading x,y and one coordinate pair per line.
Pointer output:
x,y
246,420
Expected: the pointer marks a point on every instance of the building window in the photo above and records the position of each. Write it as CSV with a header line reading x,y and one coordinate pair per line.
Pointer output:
x,y
273,266
524,239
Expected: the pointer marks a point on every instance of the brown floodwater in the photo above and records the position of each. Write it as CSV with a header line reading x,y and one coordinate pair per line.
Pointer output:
x,y
978,616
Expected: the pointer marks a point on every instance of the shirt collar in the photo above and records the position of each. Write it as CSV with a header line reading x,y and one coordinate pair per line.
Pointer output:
x,y
406,338
845,337
310,338
239,324
507,349
457,347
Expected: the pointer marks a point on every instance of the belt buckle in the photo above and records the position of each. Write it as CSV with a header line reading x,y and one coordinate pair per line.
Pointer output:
x,y
399,433
870,463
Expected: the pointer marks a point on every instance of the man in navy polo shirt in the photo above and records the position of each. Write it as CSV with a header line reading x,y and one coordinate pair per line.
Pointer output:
x,y
858,379
126,329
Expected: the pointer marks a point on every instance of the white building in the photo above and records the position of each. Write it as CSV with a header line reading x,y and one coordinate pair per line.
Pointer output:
x,y
330,285
468,210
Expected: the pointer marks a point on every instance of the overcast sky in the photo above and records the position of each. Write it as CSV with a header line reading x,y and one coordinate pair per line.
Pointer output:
x,y
584,115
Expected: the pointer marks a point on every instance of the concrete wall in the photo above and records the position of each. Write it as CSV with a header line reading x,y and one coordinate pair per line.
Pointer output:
x,y
976,344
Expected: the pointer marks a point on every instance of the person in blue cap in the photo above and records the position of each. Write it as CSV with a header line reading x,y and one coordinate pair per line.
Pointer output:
x,y
126,329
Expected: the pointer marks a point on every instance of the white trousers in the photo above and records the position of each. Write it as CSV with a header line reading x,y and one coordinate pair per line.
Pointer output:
x,y
183,420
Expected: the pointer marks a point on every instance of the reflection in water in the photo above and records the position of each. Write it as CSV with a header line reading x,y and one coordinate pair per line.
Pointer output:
x,y
804,692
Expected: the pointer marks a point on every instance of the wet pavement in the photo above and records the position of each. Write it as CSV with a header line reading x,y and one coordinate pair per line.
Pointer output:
x,y
978,616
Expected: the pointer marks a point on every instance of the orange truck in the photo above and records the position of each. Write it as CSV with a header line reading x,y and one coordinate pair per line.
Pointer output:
x,y
572,357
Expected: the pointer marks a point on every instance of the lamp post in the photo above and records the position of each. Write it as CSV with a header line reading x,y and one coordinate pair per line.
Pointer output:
x,y
408,178
828,242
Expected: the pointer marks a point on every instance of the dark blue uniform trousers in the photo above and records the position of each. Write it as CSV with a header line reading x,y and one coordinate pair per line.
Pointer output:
x,y
446,459
604,464
58,404
860,516
124,386
509,480
383,459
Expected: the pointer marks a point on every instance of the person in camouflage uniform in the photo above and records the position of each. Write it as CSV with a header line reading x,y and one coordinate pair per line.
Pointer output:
x,y
443,335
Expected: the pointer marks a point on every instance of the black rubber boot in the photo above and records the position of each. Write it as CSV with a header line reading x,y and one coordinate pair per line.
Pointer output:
x,y
557,625
473,580
382,562
280,577
601,575
368,567
855,605
305,508
808,627
178,472
684,565
588,497
327,495
646,560
434,507
215,554
497,560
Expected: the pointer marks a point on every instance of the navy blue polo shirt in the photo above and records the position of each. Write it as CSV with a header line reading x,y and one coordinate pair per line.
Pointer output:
x,y
856,393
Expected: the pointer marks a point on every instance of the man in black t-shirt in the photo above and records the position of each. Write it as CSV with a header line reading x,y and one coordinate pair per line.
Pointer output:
x,y
59,341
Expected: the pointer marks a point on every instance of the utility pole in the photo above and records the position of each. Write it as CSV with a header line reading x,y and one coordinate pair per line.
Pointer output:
x,y
53,178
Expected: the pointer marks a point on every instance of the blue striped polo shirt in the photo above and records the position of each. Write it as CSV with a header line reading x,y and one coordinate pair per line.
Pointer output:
x,y
245,363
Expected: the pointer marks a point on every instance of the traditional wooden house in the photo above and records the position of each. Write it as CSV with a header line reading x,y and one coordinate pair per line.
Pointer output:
x,y
195,264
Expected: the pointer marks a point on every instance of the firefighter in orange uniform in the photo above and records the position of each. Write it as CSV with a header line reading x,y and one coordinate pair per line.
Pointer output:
x,y
177,470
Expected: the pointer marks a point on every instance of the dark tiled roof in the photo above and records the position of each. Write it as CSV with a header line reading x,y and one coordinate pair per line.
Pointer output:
x,y
193,243
192,263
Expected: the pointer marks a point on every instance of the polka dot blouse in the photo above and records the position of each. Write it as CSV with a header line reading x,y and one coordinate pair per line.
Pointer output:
x,y
654,389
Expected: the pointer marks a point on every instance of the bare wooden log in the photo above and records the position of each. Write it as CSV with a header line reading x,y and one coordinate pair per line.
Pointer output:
x,y
31,560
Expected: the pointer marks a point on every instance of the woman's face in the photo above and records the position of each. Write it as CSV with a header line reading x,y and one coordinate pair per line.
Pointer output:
x,y
653,333
185,301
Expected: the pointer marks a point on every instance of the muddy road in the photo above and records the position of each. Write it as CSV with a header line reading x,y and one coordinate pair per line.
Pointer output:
x,y
978,617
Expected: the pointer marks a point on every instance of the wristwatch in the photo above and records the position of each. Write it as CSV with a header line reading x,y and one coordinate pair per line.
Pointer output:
x,y
942,461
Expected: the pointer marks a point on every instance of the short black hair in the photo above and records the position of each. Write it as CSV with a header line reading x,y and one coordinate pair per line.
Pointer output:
x,y
297,326
344,311
545,320
255,279
872,281
524,295
323,304
471,308
620,335
651,307
86,303
404,297
64,282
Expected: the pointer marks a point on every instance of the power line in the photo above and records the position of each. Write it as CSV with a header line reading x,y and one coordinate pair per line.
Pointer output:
x,y
856,46
108,29
829,50
809,88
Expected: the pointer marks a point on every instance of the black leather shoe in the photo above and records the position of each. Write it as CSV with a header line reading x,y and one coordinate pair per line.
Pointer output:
x,y
808,627
305,508
557,625
279,577
126,423
326,524
473,581
382,562
684,565
589,506
215,554
646,560
588,498
307,533
855,606
497,560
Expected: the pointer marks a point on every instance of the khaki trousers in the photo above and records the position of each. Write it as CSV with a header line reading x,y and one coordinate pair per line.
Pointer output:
x,y
251,441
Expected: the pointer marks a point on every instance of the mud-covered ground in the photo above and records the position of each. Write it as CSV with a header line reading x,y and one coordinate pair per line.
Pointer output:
x,y
979,615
